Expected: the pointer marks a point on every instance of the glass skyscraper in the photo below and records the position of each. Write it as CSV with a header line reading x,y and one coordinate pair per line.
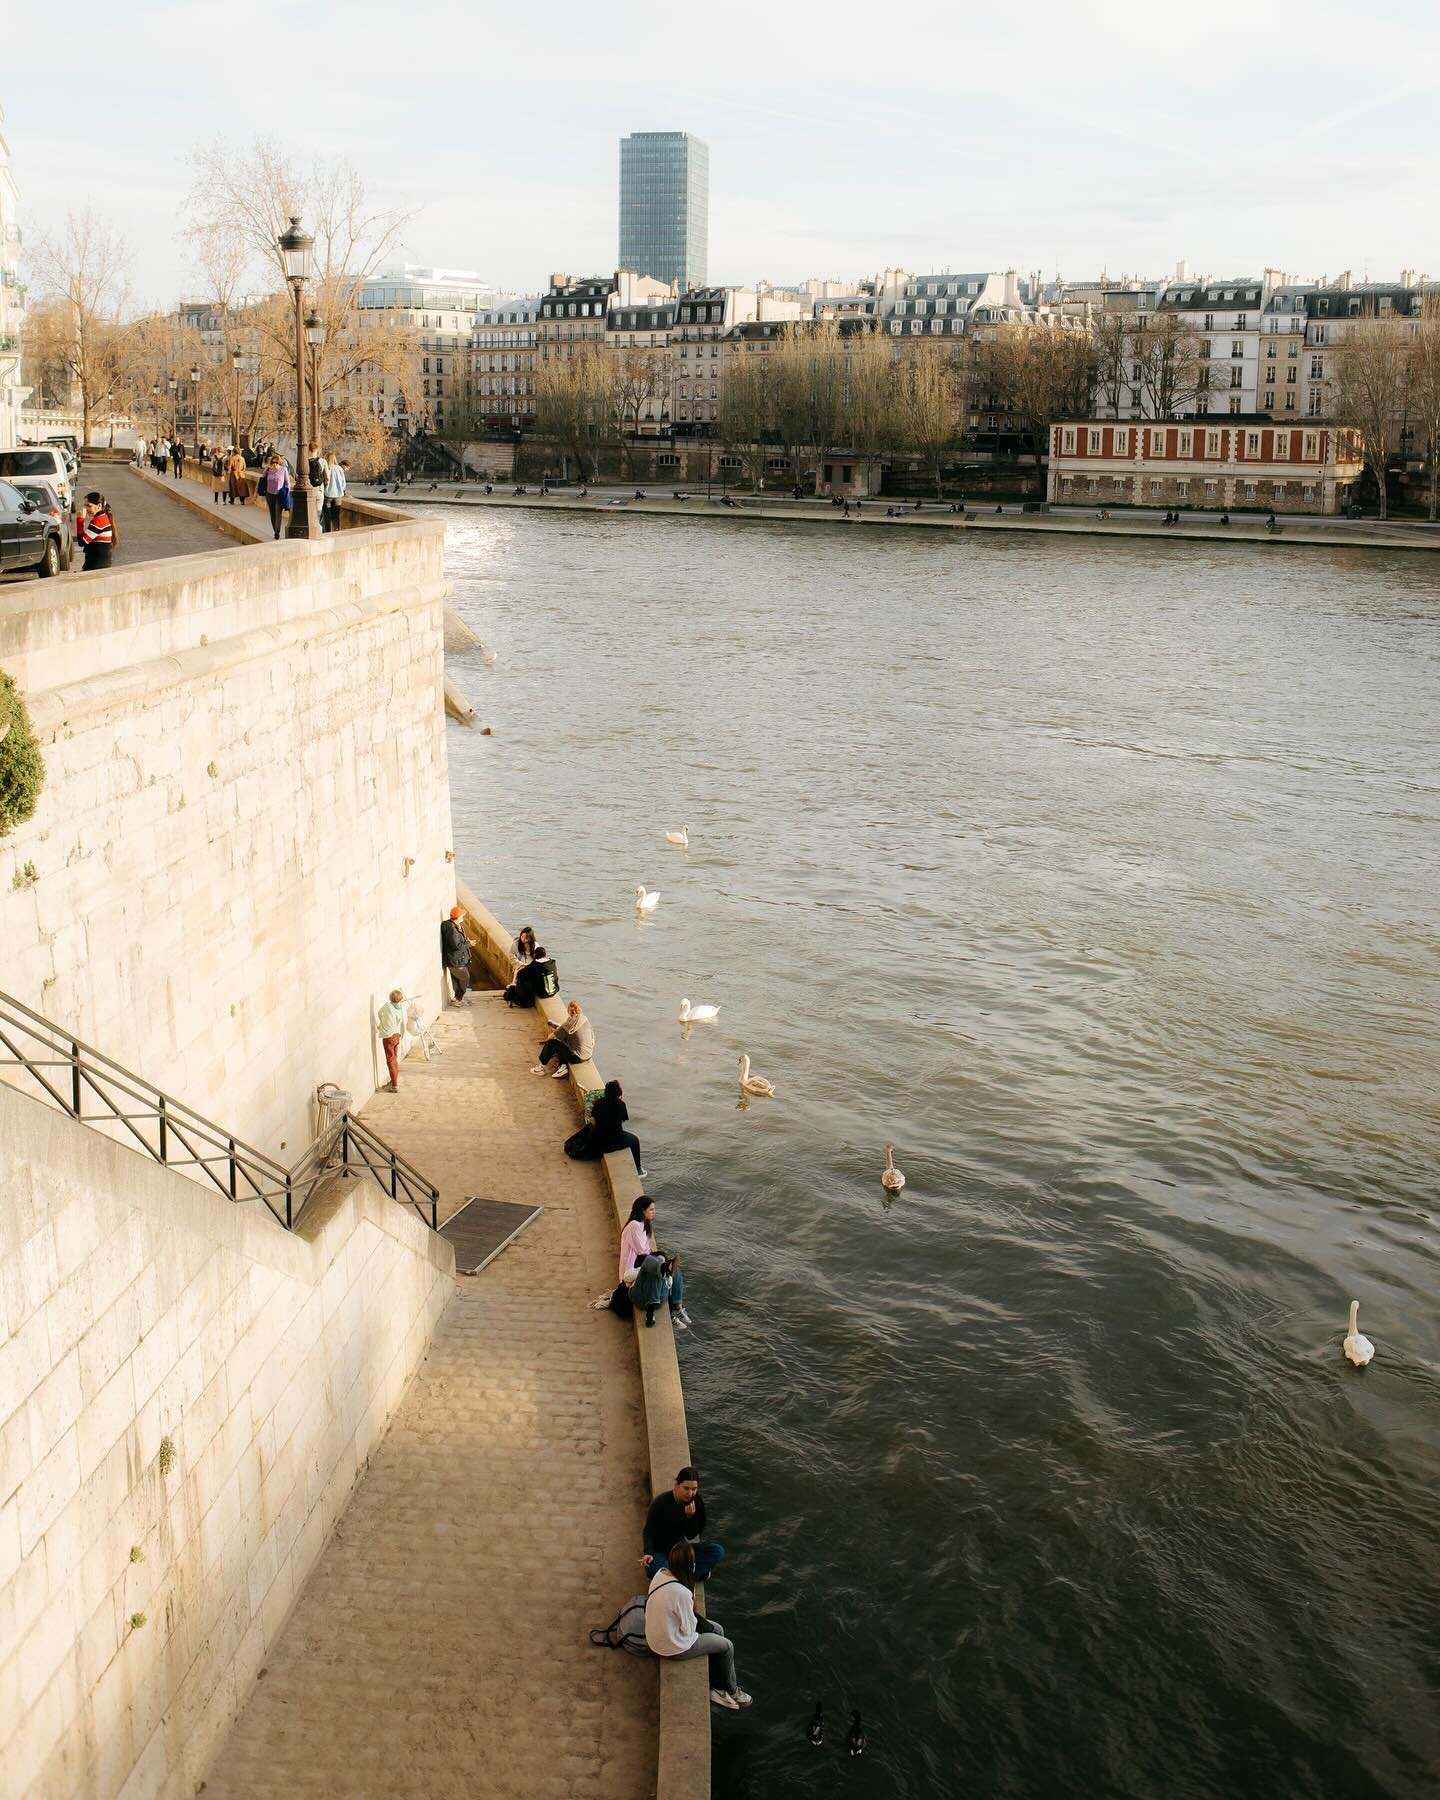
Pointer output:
x,y
665,206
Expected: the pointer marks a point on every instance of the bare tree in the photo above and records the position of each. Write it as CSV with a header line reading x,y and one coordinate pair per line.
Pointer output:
x,y
575,404
1424,388
1113,352
870,420
1042,372
806,381
1176,371
1371,372
745,420
83,268
637,376
932,380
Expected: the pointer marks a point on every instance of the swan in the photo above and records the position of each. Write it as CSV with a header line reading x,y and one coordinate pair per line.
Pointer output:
x,y
892,1180
1357,1346
489,657
690,1014
645,903
753,1084
681,837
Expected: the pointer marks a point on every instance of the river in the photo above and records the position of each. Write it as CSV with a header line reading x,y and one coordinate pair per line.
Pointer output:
x,y
1101,878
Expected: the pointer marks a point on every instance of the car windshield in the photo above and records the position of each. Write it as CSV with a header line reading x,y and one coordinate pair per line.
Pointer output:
x,y
27,462
39,493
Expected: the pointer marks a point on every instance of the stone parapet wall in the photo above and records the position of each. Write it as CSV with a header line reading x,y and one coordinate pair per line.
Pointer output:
x,y
683,1771
187,1396
242,841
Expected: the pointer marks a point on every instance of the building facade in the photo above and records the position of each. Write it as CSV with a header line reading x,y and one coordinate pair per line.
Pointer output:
x,y
500,386
12,303
665,207
1215,464
440,306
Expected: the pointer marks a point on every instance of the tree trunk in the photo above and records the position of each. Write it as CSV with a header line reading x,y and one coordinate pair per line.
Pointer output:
x,y
1380,483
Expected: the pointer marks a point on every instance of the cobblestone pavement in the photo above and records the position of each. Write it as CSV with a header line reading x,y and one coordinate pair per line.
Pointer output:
x,y
440,1647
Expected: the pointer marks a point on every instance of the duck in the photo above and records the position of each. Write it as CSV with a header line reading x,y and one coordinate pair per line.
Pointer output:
x,y
892,1180
753,1084
817,1725
690,1014
644,902
1357,1346
855,1736
681,837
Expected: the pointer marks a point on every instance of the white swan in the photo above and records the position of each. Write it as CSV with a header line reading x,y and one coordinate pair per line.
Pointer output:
x,y
489,657
1357,1346
645,902
892,1180
753,1084
681,837
690,1014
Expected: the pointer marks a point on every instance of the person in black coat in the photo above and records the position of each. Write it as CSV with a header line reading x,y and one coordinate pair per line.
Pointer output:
x,y
455,953
535,980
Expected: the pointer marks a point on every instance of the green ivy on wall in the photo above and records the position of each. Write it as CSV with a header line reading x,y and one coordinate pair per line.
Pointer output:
x,y
22,769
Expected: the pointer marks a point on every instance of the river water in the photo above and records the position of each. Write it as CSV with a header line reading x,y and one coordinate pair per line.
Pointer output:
x,y
1103,879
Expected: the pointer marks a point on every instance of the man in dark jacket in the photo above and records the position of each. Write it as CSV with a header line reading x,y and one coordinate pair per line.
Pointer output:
x,y
679,1513
455,953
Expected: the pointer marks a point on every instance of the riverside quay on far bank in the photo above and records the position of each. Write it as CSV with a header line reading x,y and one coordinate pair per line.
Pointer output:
x,y
1234,462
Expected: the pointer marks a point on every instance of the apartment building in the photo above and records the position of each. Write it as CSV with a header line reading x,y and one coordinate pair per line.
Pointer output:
x,y
440,307
500,385
1221,464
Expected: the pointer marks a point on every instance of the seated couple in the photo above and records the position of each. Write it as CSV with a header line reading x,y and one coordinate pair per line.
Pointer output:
x,y
604,1130
672,1628
648,1277
534,980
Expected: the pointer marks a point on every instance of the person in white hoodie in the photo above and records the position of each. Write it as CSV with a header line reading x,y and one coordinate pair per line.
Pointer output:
x,y
672,1628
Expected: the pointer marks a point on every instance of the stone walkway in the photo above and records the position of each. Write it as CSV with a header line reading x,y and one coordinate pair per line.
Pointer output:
x,y
149,524
440,1648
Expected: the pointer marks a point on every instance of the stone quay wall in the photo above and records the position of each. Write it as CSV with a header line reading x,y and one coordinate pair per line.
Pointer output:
x,y
243,841
187,1396
683,1768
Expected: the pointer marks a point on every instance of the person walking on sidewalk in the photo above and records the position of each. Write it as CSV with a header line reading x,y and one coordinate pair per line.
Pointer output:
x,y
218,474
239,487
177,458
455,953
678,1517
275,485
336,483
392,1024
672,1628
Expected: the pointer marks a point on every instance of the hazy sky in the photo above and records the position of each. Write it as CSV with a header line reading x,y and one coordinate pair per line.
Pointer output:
x,y
1111,136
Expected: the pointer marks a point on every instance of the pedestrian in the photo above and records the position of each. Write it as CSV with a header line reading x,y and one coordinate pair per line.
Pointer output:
x,y
235,472
218,475
336,485
455,953
275,485
391,1025
673,1629
678,1517
177,459
317,470
572,1041
95,529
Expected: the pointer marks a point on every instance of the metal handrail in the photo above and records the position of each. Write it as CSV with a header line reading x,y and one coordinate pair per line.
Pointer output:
x,y
179,1137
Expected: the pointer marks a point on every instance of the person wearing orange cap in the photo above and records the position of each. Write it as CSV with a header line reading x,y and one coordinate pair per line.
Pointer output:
x,y
455,953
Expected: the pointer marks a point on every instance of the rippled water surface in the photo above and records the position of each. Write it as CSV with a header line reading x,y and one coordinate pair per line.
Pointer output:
x,y
1102,879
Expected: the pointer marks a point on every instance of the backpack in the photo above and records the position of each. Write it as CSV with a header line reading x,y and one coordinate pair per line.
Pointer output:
x,y
626,1631
218,466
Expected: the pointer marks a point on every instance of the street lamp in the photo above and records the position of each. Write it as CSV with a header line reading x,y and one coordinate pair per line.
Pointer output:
x,y
296,248
174,386
195,401
155,406
314,337
237,362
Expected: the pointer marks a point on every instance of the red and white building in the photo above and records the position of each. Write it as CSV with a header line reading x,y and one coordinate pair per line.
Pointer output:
x,y
1221,464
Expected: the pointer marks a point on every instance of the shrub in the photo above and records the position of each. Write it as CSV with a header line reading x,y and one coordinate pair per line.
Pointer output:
x,y
22,769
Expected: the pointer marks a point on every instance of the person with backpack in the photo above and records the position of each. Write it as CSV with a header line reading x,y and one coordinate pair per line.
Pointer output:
x,y
538,979
95,529
672,1628
218,475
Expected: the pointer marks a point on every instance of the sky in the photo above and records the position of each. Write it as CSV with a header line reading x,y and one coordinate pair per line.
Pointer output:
x,y
1113,137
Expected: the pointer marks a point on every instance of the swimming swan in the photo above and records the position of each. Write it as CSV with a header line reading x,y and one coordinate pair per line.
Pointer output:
x,y
1357,1346
689,1014
645,902
681,837
489,657
753,1084
892,1180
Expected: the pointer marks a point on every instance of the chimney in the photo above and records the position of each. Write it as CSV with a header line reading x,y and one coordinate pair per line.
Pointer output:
x,y
1344,278
1407,278
1012,288
1180,270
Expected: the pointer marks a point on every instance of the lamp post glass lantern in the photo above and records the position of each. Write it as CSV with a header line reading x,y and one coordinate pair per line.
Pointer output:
x,y
314,337
296,248
237,362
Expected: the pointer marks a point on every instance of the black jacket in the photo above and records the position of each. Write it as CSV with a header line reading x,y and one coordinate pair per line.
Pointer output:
x,y
454,946
534,979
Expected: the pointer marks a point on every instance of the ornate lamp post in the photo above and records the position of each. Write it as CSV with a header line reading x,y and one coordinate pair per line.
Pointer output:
x,y
314,337
237,362
155,406
174,386
195,402
296,247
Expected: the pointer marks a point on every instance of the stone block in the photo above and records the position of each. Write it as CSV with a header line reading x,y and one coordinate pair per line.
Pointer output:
x,y
46,1490
109,1342
54,1407
105,1419
154,1356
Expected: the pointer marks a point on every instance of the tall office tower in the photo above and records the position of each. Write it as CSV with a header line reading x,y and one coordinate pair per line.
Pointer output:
x,y
665,206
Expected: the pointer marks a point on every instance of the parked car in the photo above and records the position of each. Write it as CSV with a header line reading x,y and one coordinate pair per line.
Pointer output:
x,y
67,441
45,497
45,460
29,537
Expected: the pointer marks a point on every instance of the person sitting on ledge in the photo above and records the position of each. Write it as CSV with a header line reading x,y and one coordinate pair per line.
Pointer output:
x,y
605,1130
572,1041
1224,518
538,979
672,1628
523,949
678,1517
659,1282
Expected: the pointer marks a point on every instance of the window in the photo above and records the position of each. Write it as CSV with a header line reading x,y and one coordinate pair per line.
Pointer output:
x,y
1322,307
1067,440
1252,443
1252,489
1211,489
1157,443
1155,490
1235,403
1319,337
1313,404
1269,378
1187,443
1093,439
1289,401
1182,488
1237,346
667,459
1065,484
729,462
1282,446
1312,446
1237,378
1122,443
1269,401
1212,444
1092,487
1291,374
1209,322
1241,321
1272,348
1317,368
1308,493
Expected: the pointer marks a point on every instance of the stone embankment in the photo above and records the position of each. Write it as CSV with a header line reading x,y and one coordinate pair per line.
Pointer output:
x,y
1245,528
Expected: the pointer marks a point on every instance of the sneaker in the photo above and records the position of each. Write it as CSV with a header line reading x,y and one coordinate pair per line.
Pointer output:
x,y
683,1317
538,1069
559,1072
641,1174
676,1322
718,1697
741,1698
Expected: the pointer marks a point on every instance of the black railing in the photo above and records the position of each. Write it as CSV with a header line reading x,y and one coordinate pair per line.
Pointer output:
x,y
96,1090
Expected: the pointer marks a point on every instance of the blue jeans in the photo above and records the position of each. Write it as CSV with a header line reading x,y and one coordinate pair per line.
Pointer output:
x,y
708,1558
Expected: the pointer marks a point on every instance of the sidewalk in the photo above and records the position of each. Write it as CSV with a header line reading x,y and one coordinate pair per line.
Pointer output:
x,y
440,1650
